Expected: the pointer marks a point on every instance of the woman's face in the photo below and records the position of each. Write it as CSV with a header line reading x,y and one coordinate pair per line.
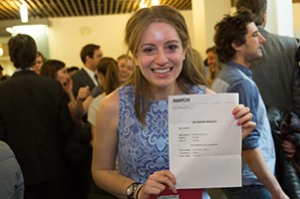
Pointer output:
x,y
38,64
62,76
125,69
160,55
212,60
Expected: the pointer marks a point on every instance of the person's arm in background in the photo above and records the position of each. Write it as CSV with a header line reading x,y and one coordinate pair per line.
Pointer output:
x,y
85,98
92,113
250,152
68,87
83,94
258,166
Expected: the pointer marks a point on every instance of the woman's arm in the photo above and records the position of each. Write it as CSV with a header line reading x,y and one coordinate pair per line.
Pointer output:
x,y
105,152
83,95
105,148
72,108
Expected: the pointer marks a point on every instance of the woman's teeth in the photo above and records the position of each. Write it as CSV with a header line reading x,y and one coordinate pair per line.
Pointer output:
x,y
162,70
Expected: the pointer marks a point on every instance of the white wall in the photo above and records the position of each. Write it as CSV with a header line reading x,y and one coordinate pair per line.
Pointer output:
x,y
205,15
66,37
296,16
285,18
214,14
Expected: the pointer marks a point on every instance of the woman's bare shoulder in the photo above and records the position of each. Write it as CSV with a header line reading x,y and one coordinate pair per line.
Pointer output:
x,y
110,102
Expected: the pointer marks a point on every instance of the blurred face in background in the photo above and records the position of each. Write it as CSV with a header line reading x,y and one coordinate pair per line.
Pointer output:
x,y
125,69
38,64
212,61
63,77
92,63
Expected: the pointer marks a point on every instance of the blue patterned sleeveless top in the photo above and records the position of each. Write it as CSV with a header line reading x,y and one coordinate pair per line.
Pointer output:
x,y
142,150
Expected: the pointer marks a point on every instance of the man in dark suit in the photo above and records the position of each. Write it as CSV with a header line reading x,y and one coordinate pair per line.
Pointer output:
x,y
34,122
90,56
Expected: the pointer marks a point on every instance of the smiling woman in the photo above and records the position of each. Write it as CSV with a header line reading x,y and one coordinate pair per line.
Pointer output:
x,y
132,122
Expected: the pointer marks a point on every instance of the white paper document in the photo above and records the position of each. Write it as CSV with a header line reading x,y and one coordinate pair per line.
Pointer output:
x,y
204,141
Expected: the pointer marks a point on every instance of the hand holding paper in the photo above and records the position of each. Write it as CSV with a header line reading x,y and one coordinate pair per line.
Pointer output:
x,y
204,141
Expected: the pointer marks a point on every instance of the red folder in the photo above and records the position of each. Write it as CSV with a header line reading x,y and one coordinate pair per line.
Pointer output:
x,y
181,193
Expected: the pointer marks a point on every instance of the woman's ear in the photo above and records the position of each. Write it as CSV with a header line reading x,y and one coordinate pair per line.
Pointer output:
x,y
184,53
135,61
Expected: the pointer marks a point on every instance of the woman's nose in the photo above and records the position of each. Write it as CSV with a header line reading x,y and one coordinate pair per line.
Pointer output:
x,y
161,57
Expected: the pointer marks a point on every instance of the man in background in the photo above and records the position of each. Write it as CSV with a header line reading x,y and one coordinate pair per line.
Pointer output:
x,y
237,50
35,122
277,72
86,77
277,75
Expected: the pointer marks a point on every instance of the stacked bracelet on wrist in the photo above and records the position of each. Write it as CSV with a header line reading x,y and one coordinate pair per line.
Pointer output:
x,y
138,191
131,190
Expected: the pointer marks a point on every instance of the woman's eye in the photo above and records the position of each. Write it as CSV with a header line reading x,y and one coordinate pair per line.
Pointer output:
x,y
172,47
147,50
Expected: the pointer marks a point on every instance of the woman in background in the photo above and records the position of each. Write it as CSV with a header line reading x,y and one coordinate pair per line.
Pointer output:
x,y
108,73
57,69
125,65
214,65
39,61
78,147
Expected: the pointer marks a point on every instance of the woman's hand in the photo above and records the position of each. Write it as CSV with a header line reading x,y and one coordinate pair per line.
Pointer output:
x,y
244,118
83,93
157,183
68,85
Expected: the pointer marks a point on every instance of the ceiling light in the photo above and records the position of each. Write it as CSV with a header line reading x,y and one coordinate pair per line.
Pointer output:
x,y
1,50
24,12
155,2
143,4
10,30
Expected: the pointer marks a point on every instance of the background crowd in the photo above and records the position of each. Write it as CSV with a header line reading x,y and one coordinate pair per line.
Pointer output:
x,y
100,130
